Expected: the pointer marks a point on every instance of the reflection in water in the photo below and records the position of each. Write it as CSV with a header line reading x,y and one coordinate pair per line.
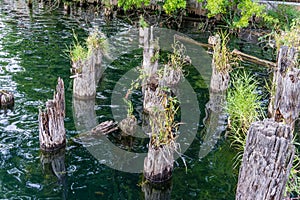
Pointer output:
x,y
32,44
157,191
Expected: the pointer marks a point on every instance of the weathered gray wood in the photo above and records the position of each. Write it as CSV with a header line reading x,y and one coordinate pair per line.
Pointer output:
x,y
84,114
219,79
6,99
150,46
86,75
284,106
128,125
158,165
267,160
157,191
52,134
105,128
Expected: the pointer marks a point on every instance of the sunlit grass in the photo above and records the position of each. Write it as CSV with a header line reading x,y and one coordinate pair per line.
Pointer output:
x,y
243,107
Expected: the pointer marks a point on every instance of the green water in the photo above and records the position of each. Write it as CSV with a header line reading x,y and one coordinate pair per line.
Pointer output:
x,y
32,44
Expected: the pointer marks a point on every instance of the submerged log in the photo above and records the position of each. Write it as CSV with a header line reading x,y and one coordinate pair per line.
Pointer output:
x,y
6,99
86,75
267,160
158,165
284,105
52,134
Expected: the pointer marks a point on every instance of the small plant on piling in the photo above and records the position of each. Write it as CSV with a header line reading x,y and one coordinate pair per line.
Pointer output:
x,y
222,57
97,41
163,123
243,107
77,52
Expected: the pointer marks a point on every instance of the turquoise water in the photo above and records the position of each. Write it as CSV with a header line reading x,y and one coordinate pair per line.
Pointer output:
x,y
32,56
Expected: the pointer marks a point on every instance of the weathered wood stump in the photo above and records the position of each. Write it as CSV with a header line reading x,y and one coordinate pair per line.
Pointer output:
x,y
6,99
54,162
128,125
284,105
87,75
158,165
267,161
84,113
219,78
52,134
157,191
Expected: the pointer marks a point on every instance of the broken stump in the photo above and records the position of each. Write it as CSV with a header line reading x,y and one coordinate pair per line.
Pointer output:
x,y
52,134
267,160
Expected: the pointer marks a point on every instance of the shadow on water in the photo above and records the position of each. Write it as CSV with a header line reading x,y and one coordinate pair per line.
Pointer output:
x,y
32,45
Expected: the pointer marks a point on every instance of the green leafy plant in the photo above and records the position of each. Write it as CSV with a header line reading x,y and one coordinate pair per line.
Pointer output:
x,y
243,107
285,14
171,6
237,13
129,4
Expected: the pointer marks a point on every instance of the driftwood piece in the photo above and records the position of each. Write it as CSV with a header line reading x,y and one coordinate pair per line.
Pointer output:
x,y
105,128
52,134
235,52
86,75
158,165
6,99
284,106
253,59
267,161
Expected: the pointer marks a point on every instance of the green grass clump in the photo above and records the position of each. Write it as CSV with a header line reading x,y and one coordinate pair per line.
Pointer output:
x,y
96,41
243,107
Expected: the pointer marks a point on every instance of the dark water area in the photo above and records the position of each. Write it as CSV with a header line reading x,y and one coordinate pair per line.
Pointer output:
x,y
32,57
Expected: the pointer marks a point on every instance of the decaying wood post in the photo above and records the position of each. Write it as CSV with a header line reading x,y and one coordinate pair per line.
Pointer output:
x,y
6,99
267,160
84,113
284,104
157,191
220,68
52,134
158,165
86,74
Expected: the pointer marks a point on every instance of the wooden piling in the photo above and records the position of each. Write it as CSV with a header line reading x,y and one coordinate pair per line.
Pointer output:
x,y
158,165
52,134
85,75
6,99
267,161
220,74
284,104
